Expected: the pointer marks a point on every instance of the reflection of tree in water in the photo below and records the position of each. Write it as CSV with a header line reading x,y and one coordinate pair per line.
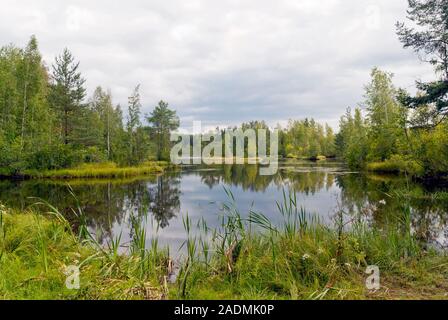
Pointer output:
x,y
430,220
106,203
385,199
245,176
308,182
210,179
248,177
165,202
353,195
158,196
101,201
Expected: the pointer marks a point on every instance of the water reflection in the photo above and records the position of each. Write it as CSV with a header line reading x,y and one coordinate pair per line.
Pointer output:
x,y
322,188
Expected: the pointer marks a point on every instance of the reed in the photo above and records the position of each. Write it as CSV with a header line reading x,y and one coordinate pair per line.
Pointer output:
x,y
245,257
302,258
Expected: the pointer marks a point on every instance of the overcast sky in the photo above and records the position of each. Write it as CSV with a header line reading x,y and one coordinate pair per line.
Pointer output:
x,y
228,61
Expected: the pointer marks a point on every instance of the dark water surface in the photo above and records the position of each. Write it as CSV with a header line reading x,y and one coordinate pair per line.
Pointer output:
x,y
322,188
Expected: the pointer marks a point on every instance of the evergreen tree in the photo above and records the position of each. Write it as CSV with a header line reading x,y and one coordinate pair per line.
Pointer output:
x,y
162,121
67,92
430,40
137,136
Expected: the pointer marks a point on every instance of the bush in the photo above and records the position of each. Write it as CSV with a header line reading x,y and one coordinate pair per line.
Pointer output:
x,y
94,155
397,164
431,148
55,157
63,156
11,160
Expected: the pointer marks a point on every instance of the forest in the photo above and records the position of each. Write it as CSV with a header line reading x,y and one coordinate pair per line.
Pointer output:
x,y
48,123
86,185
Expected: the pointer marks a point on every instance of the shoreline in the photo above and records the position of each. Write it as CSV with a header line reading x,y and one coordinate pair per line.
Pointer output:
x,y
296,261
109,170
93,171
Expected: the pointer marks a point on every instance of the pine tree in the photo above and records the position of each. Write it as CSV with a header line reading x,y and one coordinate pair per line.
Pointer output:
x,y
430,40
67,92
163,120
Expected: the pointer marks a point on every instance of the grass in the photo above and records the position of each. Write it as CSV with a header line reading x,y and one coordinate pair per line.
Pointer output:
x,y
35,251
100,170
311,158
246,257
396,165
304,259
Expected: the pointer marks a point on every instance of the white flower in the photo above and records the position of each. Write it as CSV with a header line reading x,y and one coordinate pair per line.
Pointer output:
x,y
383,202
305,256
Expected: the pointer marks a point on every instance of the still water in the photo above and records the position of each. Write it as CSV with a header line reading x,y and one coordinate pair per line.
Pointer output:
x,y
322,188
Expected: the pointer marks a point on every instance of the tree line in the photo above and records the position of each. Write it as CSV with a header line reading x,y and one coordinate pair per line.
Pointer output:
x,y
401,132
46,122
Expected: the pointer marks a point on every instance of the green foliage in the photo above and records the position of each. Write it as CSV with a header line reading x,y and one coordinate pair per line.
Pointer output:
x,y
397,164
162,121
35,251
45,123
386,117
430,149
136,135
99,170
67,92
428,39
300,258
54,157
391,139
351,141
307,139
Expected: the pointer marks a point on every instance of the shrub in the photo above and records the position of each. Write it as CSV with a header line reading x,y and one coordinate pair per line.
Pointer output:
x,y
55,157
397,164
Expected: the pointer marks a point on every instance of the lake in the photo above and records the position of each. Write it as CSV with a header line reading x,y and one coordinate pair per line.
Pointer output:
x,y
322,188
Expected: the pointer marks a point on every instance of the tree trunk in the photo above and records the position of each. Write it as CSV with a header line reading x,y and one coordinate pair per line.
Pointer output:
x,y
108,134
66,126
24,107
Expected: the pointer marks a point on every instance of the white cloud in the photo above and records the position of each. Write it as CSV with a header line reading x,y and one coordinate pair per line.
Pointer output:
x,y
224,62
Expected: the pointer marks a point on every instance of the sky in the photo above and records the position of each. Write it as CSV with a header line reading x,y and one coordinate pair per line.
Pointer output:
x,y
224,62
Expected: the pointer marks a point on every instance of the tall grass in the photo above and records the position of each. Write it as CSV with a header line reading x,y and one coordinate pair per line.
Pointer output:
x,y
300,257
100,170
244,257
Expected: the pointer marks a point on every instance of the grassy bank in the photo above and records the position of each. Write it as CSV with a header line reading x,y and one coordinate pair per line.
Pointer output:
x,y
311,158
35,251
244,258
304,259
396,165
100,170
